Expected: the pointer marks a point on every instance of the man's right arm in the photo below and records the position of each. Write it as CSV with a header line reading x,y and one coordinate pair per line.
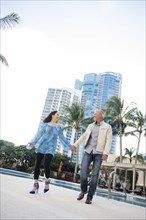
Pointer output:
x,y
82,139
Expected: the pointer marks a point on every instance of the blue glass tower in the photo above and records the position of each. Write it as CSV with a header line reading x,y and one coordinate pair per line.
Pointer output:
x,y
109,85
89,93
98,88
78,84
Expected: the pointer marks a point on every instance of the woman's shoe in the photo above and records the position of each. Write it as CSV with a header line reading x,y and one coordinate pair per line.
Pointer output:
x,y
36,186
47,182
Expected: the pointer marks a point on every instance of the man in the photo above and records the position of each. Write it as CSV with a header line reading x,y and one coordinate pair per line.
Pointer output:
x,y
98,138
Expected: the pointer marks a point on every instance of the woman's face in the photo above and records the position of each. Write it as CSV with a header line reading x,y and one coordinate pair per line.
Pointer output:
x,y
56,116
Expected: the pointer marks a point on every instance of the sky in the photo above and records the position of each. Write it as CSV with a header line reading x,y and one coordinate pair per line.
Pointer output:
x,y
57,42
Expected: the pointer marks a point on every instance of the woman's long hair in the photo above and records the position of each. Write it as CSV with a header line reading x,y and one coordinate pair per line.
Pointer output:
x,y
49,117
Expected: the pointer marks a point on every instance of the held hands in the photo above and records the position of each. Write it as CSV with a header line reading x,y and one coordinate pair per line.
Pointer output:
x,y
73,148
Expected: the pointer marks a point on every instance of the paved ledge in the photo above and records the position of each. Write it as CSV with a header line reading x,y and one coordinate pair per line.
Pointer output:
x,y
58,203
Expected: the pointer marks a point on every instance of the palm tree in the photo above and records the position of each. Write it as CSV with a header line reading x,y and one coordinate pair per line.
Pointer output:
x,y
74,118
129,153
8,22
138,122
118,116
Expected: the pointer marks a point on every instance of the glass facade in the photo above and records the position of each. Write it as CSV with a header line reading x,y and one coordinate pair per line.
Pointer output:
x,y
89,93
98,88
111,86
78,84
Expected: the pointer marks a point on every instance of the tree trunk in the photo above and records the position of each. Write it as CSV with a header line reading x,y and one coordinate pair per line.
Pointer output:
x,y
76,167
120,143
77,158
137,150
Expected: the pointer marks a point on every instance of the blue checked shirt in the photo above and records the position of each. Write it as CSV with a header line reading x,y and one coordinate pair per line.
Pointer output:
x,y
45,140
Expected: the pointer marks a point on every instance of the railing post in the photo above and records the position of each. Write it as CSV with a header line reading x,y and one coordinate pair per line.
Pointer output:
x,y
113,175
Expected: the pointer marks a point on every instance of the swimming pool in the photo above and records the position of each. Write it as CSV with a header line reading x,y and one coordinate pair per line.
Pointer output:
x,y
131,199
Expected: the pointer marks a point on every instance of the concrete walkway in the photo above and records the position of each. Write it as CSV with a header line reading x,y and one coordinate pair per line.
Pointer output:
x,y
58,203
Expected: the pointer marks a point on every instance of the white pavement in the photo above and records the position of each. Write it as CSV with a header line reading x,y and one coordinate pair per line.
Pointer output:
x,y
58,203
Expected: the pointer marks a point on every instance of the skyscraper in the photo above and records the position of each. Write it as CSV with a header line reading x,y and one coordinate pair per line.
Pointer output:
x,y
90,93
98,88
78,84
109,85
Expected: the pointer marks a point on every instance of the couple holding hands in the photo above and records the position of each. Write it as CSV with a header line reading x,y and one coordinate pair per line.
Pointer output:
x,y
97,139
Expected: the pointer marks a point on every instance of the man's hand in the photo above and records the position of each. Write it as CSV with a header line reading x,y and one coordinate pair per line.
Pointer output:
x,y
73,148
104,157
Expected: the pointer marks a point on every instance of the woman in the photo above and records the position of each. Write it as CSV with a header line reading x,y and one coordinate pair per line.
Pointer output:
x,y
45,142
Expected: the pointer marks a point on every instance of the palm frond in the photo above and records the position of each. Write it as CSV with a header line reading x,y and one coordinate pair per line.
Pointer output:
x,y
129,152
9,20
129,109
3,60
118,159
139,158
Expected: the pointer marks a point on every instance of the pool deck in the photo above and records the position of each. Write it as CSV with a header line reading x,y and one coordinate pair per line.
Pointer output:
x,y
58,203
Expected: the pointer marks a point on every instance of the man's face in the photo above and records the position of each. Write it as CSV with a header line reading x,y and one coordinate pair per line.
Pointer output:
x,y
98,116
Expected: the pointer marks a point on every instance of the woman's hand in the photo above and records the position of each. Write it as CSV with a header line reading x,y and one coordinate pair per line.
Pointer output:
x,y
29,146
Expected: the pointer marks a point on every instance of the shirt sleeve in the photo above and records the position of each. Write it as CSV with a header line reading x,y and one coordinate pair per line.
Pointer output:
x,y
38,135
63,140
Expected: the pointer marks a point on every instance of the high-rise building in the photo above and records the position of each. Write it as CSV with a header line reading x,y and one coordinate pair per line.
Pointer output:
x,y
56,99
98,88
78,84
89,93
109,85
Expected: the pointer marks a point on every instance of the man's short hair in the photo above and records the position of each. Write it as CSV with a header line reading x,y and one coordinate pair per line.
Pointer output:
x,y
101,111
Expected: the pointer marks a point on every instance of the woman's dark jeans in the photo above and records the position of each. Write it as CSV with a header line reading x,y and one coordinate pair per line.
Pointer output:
x,y
47,161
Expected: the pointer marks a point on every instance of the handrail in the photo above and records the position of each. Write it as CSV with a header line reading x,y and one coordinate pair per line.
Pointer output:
x,y
111,176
